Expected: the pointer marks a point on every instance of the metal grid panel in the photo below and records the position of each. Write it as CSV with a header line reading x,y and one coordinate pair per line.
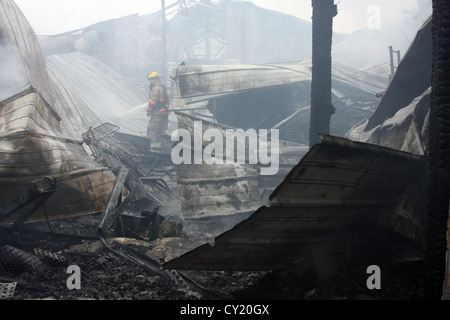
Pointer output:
x,y
7,290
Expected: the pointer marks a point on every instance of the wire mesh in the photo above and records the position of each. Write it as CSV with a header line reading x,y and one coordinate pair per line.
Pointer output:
x,y
7,290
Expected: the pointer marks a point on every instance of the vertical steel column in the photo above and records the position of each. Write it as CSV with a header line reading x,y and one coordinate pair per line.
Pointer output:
x,y
321,106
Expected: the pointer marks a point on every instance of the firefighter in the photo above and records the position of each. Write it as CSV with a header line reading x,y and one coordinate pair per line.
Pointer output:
x,y
157,110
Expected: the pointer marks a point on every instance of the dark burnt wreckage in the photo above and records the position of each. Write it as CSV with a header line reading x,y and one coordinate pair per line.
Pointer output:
x,y
86,172
315,199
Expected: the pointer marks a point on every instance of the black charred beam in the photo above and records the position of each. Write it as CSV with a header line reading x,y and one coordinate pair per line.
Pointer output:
x,y
438,183
321,106
164,71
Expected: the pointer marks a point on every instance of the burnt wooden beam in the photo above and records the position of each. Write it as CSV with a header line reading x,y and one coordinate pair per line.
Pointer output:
x,y
321,106
438,152
164,41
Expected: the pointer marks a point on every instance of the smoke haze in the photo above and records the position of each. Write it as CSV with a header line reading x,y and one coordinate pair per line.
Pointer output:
x,y
13,76
364,28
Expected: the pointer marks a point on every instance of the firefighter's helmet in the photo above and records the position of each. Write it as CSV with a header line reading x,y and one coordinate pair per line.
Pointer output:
x,y
153,76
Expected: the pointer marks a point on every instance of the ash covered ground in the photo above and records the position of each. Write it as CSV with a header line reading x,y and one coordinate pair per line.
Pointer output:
x,y
107,276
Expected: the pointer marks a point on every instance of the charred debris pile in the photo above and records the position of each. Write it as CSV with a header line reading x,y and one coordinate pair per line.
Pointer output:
x,y
81,187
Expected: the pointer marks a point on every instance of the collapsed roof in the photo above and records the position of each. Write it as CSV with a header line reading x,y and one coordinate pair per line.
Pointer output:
x,y
251,242
400,120
39,129
274,96
337,183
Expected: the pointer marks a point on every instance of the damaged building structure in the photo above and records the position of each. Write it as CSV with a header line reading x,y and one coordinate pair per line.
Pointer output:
x,y
75,159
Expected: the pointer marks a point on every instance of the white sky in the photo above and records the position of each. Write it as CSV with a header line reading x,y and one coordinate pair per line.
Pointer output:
x,y
56,16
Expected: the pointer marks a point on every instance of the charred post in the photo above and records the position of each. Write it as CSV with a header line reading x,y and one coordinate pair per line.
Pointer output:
x,y
163,41
392,65
321,106
438,151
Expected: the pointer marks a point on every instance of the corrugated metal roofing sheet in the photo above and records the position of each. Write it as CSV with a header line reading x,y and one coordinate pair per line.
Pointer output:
x,y
110,97
209,80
